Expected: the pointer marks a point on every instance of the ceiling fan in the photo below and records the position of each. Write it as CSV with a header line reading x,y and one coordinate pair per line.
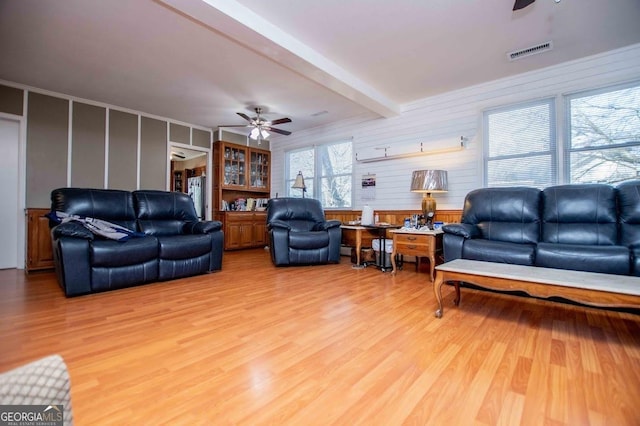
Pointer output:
x,y
521,4
262,126
178,154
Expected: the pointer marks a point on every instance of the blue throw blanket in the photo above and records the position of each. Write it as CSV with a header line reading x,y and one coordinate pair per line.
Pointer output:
x,y
99,227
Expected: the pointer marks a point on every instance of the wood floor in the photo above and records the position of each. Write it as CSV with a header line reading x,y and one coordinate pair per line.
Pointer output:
x,y
323,345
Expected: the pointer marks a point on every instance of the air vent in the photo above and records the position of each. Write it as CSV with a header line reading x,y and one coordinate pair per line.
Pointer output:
x,y
533,50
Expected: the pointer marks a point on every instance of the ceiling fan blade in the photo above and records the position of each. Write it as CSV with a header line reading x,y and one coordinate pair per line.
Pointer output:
x,y
281,121
282,132
178,155
245,116
521,4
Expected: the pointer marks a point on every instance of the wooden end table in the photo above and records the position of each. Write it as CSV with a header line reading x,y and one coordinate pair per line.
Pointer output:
x,y
412,242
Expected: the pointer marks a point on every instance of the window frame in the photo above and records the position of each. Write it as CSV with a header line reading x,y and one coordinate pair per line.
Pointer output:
x,y
567,150
317,177
560,131
553,138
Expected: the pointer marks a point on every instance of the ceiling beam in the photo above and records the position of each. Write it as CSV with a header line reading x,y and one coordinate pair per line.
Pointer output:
x,y
239,23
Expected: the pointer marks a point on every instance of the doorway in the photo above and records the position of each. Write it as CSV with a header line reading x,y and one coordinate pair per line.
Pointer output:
x,y
9,192
190,173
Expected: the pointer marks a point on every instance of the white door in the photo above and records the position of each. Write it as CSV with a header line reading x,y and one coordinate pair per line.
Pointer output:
x,y
9,210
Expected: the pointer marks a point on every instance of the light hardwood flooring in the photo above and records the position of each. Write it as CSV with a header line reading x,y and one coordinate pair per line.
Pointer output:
x,y
322,345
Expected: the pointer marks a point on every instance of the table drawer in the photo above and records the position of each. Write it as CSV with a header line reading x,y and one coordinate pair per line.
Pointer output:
x,y
413,250
423,240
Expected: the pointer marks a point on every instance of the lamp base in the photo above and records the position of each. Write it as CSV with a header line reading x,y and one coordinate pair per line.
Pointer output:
x,y
428,209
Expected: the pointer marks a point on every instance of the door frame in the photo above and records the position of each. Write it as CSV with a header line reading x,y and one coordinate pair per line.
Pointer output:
x,y
208,172
22,184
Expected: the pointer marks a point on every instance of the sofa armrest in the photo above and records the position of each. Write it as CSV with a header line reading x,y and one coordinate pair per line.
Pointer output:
x,y
463,230
202,227
278,224
71,229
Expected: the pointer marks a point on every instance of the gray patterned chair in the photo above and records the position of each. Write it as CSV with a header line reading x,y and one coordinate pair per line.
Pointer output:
x,y
42,382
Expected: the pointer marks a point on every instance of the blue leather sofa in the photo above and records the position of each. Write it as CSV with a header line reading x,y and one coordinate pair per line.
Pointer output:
x,y
585,227
173,242
299,233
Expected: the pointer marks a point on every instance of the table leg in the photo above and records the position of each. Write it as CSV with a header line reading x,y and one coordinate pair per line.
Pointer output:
x,y
358,246
437,290
456,301
393,260
432,267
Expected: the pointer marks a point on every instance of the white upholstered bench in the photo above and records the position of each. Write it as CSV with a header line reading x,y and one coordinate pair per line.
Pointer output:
x,y
603,290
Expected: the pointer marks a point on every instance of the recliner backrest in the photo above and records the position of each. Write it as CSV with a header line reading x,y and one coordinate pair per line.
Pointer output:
x,y
580,214
301,214
629,204
163,213
504,214
112,205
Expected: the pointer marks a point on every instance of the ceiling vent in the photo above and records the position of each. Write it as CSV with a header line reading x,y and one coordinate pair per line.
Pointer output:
x,y
533,50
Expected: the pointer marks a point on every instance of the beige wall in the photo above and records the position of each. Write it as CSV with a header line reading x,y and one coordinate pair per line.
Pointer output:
x,y
88,138
153,154
11,100
49,128
47,147
123,150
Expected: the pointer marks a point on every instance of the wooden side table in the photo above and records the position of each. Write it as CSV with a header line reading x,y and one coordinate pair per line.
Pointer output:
x,y
359,236
417,243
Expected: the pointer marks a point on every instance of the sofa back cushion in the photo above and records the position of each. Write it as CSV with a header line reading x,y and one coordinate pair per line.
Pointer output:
x,y
301,214
504,214
629,204
163,213
107,204
580,214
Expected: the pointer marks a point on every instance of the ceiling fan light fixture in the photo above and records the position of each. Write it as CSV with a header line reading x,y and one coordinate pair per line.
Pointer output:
x,y
255,132
264,134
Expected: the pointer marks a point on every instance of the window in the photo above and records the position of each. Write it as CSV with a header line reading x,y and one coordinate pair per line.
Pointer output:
x,y
327,171
521,145
604,136
602,143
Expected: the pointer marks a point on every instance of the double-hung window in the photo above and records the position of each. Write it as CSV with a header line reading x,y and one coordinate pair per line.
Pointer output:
x,y
601,142
521,145
604,136
328,173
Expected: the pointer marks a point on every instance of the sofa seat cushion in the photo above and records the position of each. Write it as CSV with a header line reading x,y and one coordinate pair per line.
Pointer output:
x,y
176,247
499,251
308,240
109,253
590,258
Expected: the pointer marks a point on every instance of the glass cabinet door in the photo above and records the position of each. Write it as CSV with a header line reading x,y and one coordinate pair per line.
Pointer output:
x,y
259,177
234,166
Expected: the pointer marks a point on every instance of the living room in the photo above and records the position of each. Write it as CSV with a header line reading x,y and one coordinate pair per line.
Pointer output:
x,y
120,367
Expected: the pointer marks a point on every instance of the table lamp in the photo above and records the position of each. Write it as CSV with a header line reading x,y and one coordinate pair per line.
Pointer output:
x,y
428,182
299,183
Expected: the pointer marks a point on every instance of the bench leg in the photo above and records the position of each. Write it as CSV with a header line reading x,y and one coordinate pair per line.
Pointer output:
x,y
437,290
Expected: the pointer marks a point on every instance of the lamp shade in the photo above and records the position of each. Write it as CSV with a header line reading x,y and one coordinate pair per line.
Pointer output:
x,y
299,182
429,181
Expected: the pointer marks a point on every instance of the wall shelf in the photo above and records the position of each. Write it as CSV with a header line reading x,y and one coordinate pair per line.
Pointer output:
x,y
413,150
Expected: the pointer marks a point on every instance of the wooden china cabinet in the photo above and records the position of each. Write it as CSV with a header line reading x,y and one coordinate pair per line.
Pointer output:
x,y
241,173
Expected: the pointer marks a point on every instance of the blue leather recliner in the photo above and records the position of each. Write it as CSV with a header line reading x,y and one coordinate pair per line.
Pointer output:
x,y
299,233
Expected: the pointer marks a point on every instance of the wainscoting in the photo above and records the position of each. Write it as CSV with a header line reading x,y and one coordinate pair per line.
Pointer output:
x,y
393,216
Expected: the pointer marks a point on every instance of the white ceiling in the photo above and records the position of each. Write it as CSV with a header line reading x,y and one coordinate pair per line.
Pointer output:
x,y
202,61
